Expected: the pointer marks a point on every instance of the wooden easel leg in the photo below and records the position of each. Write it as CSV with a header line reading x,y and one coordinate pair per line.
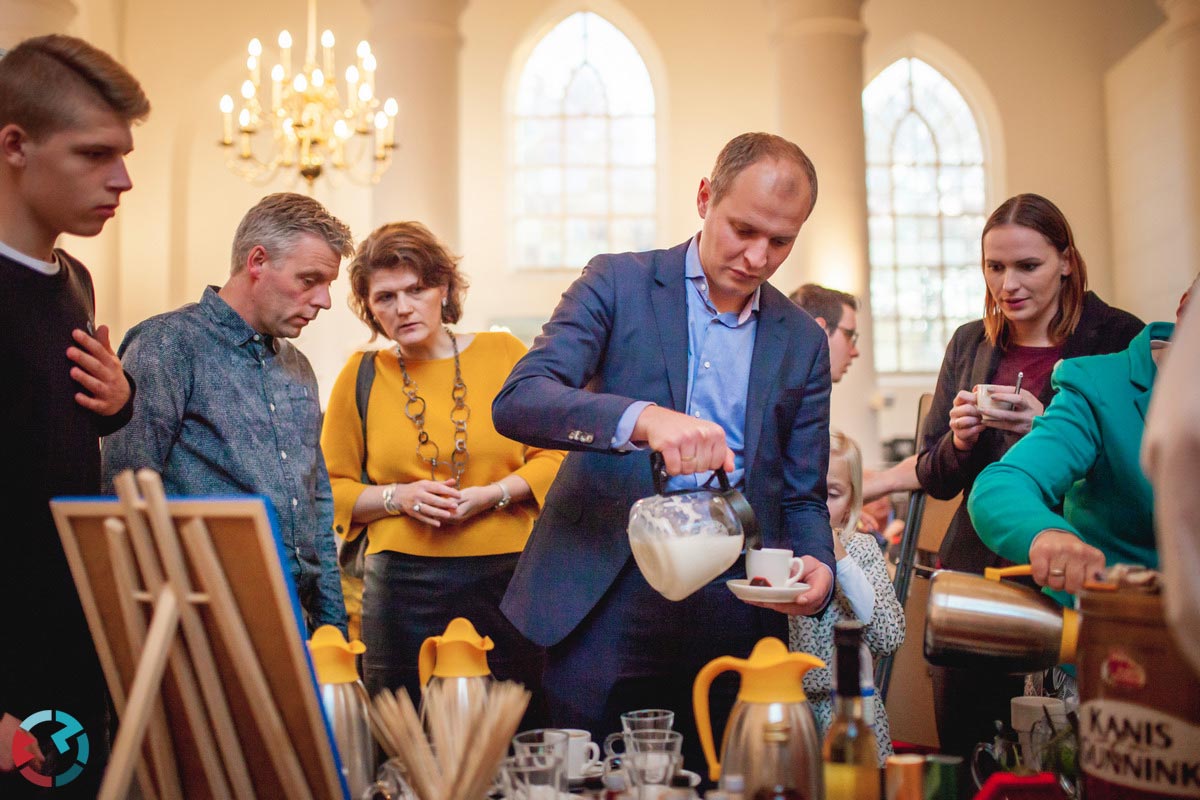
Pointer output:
x,y
143,695
232,629
161,757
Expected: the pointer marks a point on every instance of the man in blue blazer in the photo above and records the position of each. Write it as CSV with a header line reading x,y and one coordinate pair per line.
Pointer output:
x,y
689,352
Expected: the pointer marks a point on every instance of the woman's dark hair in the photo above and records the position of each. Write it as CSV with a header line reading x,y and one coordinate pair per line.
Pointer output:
x,y
1037,213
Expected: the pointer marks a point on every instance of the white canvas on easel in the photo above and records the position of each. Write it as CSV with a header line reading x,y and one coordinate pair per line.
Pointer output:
x,y
201,642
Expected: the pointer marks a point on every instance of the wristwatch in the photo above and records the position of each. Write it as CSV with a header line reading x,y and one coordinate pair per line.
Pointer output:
x,y
505,498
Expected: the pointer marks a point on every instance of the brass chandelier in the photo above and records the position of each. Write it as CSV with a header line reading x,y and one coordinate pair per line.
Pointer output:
x,y
304,124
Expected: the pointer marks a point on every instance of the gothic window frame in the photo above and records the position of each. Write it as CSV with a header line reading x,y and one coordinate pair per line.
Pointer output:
x,y
924,253
569,227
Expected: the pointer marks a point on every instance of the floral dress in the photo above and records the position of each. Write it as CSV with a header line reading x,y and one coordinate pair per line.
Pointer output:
x,y
862,570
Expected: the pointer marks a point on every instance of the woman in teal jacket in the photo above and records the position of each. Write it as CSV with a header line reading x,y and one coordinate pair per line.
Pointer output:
x,y
1081,455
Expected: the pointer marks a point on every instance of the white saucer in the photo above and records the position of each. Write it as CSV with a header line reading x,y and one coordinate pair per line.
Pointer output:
x,y
765,594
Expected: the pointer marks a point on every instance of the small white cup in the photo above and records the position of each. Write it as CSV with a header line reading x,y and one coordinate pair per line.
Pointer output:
x,y
583,755
984,400
774,564
1026,711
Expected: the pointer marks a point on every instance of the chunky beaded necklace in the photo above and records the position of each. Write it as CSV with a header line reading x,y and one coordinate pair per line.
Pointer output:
x,y
414,409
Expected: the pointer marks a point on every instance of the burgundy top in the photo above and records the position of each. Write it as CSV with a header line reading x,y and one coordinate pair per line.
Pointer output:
x,y
1036,362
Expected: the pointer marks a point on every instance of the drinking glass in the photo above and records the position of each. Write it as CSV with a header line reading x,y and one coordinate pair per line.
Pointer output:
x,y
650,771
542,741
533,777
656,719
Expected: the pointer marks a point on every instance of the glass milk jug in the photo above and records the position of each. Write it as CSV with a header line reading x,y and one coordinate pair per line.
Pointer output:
x,y
683,539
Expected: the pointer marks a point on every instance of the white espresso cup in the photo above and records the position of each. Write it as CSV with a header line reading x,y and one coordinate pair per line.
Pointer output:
x,y
774,564
583,755
985,402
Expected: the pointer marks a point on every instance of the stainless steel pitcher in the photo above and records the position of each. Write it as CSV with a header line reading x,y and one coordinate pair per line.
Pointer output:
x,y
972,619
346,705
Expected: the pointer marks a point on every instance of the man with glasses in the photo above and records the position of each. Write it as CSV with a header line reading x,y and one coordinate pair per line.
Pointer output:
x,y
837,313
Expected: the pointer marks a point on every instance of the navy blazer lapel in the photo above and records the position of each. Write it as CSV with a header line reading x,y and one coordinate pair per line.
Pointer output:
x,y
670,316
770,341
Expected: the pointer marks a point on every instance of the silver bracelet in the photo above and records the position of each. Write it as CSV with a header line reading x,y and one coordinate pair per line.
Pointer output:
x,y
505,498
388,492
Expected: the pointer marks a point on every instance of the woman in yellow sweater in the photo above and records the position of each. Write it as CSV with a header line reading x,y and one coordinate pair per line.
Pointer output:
x,y
450,502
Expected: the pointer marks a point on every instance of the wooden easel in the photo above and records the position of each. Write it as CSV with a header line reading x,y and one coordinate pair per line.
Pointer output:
x,y
201,646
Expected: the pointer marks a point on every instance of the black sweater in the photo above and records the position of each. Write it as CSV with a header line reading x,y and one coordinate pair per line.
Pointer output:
x,y
50,446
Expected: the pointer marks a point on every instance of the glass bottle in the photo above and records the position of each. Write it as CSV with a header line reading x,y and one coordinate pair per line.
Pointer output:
x,y
777,755
867,682
851,760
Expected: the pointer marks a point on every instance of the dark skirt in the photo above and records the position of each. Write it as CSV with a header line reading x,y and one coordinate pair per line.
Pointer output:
x,y
407,599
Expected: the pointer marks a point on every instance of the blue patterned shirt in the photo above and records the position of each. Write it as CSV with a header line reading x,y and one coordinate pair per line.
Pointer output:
x,y
220,410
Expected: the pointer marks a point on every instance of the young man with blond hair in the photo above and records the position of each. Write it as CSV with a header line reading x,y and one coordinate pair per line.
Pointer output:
x,y
228,406
66,109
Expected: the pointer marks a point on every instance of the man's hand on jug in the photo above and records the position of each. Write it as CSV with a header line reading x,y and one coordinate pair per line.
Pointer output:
x,y
688,444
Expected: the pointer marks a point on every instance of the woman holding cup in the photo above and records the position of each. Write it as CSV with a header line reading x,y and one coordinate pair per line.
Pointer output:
x,y
1037,310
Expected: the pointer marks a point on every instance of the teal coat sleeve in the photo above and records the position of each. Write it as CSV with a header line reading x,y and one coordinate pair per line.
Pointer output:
x,y
1078,470
1014,498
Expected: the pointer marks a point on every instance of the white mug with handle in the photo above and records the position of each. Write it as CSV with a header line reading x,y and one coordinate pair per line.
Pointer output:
x,y
583,755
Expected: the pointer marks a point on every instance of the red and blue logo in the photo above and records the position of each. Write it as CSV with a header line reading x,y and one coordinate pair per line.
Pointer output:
x,y
69,738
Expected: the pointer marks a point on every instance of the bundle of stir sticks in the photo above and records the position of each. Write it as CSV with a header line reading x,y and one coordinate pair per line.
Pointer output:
x,y
469,737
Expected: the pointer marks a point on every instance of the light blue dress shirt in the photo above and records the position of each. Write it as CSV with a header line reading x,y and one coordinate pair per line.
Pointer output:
x,y
720,346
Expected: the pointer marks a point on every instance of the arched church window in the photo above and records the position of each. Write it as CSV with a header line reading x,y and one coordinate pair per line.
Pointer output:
x,y
926,197
584,177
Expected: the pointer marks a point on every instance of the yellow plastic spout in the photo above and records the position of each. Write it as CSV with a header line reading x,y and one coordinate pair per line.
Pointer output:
x,y
770,675
1017,571
333,656
460,652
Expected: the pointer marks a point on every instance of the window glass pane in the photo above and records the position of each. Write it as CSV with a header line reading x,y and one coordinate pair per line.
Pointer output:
x,y
886,345
538,243
926,195
585,94
586,193
618,61
632,234
633,190
539,141
633,141
584,154
538,191
913,143
883,287
879,190
587,140
585,238
883,247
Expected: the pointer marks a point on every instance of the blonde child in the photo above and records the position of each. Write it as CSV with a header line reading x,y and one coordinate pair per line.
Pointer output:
x,y
864,591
